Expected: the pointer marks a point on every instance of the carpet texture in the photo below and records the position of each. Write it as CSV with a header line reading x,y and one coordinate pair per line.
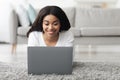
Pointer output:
x,y
81,71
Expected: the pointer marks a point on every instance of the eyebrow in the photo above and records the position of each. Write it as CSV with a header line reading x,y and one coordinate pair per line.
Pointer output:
x,y
48,21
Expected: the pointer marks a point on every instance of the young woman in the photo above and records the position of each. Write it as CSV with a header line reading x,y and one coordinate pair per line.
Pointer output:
x,y
51,28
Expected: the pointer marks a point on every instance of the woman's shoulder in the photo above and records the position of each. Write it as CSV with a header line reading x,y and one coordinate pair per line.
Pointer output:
x,y
66,36
35,33
66,33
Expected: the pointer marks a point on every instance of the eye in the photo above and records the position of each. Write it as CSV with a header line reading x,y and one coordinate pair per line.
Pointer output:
x,y
56,23
46,24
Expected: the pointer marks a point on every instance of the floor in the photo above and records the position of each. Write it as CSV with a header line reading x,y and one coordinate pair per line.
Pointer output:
x,y
83,53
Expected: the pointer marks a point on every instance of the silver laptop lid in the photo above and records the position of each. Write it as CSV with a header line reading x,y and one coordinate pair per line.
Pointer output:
x,y
49,60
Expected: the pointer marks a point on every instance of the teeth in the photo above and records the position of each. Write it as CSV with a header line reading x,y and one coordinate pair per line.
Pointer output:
x,y
50,32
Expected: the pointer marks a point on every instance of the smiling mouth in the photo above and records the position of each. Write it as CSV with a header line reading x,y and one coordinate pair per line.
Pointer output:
x,y
51,32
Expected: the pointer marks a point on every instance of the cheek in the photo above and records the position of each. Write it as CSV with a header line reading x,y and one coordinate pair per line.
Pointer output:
x,y
59,28
44,27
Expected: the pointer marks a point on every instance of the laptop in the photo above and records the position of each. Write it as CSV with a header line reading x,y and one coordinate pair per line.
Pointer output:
x,y
50,60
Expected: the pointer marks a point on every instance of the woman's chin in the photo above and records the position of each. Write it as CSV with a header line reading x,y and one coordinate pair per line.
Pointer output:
x,y
50,34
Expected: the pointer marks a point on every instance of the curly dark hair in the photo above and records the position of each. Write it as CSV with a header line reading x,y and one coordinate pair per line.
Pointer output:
x,y
54,10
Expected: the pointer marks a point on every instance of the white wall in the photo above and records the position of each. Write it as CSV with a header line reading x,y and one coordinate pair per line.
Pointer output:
x,y
66,3
118,4
93,3
42,3
62,3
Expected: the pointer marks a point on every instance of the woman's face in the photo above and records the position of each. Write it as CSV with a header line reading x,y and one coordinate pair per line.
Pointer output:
x,y
51,25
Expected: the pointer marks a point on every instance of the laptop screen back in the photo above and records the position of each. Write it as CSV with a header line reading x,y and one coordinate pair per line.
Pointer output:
x,y
49,60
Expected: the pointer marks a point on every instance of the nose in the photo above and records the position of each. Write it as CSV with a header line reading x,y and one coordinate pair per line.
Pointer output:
x,y
51,27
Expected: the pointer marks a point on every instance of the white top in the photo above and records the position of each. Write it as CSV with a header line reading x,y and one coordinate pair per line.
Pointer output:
x,y
65,39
